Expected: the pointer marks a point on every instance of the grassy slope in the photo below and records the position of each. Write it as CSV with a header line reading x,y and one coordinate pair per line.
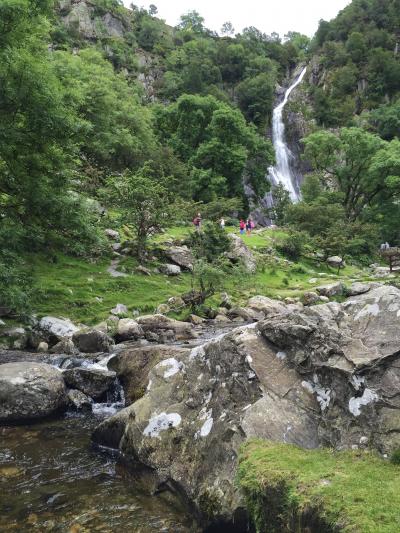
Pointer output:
x,y
71,287
355,490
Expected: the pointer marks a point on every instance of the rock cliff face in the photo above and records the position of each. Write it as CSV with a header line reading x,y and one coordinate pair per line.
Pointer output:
x,y
324,375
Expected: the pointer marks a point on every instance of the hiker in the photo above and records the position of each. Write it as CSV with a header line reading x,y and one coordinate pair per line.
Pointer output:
x,y
242,226
222,223
197,221
248,226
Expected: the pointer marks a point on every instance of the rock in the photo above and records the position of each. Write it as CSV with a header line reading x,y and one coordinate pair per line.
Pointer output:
x,y
246,313
91,341
91,381
128,329
266,306
312,281
181,256
117,247
176,302
112,234
163,309
79,401
43,347
159,323
2,323
14,338
335,261
240,253
55,329
221,318
323,299
30,391
358,288
65,346
226,300
133,366
333,289
170,270
119,310
143,270
196,320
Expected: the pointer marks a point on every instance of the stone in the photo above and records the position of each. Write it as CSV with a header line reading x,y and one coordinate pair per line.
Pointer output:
x,y
163,309
170,270
221,318
332,289
14,338
226,300
92,341
245,313
176,302
55,329
143,270
78,401
240,253
196,320
65,346
128,329
119,310
43,347
323,299
91,381
158,323
181,256
266,306
310,298
335,261
30,391
112,234
2,323
357,288
117,247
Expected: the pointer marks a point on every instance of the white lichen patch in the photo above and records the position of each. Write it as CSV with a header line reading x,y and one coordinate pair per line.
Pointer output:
x,y
281,355
160,423
368,310
17,381
149,385
206,427
369,396
172,367
398,313
249,359
357,381
323,395
197,352
247,407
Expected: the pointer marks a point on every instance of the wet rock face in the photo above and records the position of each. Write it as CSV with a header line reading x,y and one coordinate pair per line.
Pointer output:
x,y
91,381
30,391
322,375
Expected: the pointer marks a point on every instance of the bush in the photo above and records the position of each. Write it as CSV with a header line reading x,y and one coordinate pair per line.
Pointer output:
x,y
209,243
293,245
395,457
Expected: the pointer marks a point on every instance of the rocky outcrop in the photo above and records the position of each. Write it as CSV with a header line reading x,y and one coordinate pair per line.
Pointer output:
x,y
240,253
181,256
322,375
55,329
159,323
91,341
30,391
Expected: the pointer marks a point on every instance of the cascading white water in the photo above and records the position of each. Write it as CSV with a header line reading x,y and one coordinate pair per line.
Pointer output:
x,y
281,172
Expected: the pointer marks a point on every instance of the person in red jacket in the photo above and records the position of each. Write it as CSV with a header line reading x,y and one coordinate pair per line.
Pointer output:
x,y
242,226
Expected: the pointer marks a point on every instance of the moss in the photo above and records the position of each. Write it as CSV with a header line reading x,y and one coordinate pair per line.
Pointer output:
x,y
210,503
291,489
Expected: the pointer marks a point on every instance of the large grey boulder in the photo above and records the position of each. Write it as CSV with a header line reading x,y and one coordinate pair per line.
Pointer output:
x,y
335,261
266,306
93,382
112,234
55,329
30,391
239,252
127,329
14,338
92,341
158,323
357,288
181,256
170,270
322,375
332,289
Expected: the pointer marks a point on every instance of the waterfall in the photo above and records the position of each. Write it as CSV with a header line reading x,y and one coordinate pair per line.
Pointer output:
x,y
281,172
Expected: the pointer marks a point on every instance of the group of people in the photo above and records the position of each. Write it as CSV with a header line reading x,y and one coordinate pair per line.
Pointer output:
x,y
244,225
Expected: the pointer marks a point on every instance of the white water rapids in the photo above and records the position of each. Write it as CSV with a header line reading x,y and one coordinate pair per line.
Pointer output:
x,y
281,172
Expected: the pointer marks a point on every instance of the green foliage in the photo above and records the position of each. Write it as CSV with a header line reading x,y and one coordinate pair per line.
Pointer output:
x,y
210,243
395,457
292,246
255,98
280,204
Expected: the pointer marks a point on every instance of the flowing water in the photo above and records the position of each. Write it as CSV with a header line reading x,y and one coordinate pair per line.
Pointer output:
x,y
282,172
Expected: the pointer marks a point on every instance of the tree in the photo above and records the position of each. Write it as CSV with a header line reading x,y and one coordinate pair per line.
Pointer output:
x,y
146,202
227,28
153,10
280,204
192,21
346,160
255,98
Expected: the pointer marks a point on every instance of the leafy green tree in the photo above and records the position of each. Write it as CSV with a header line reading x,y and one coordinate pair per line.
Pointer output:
x,y
255,98
146,201
386,120
280,204
192,21
227,28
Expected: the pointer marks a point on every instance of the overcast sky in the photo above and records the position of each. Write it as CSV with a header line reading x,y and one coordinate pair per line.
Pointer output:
x,y
266,15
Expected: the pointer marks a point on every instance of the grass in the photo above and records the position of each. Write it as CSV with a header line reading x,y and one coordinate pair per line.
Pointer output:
x,y
351,491
84,291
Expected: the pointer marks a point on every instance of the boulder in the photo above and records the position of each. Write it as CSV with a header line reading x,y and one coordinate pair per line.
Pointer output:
x,y
176,302
332,289
322,375
239,252
357,288
30,391
225,300
43,347
112,234
170,270
196,320
65,346
143,270
119,310
163,309
116,246
335,261
158,323
310,298
93,382
78,401
246,313
92,341
181,256
266,306
56,329
133,366
128,329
